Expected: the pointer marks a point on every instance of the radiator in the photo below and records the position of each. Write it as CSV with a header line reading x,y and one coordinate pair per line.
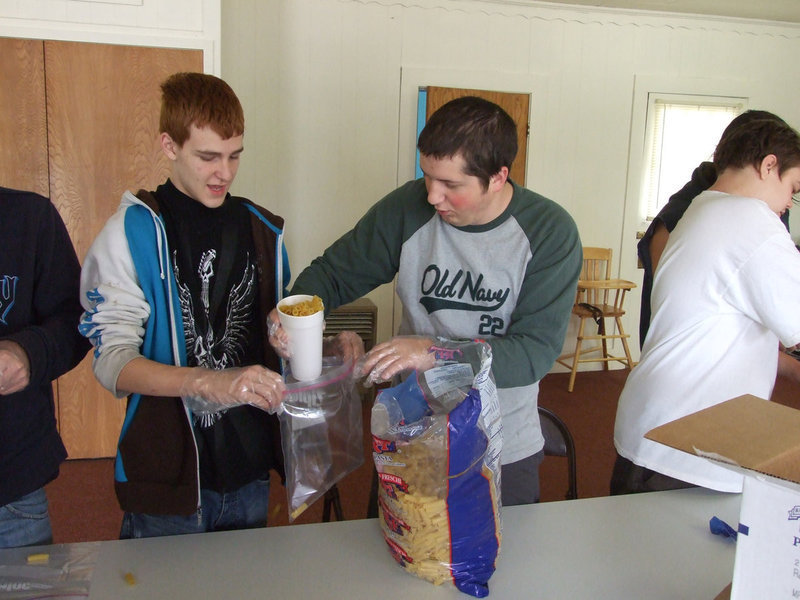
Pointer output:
x,y
360,316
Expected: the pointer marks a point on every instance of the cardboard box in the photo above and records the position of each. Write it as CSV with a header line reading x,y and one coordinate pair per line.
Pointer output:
x,y
762,440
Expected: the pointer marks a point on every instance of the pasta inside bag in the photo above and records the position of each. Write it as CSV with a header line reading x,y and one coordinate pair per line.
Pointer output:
x,y
436,446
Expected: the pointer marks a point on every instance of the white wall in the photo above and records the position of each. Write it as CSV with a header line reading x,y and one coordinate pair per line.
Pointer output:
x,y
160,23
328,88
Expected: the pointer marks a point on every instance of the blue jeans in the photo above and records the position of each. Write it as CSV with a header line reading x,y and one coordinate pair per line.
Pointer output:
x,y
245,508
25,522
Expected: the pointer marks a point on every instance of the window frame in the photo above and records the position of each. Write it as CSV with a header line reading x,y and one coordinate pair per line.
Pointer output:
x,y
652,160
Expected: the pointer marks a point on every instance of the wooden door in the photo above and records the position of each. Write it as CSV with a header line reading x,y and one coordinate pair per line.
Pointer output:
x,y
23,121
103,105
516,105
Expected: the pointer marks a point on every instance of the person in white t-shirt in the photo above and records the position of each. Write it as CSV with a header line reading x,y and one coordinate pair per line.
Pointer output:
x,y
724,297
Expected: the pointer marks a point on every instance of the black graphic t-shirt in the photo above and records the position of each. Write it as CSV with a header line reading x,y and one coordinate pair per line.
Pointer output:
x,y
212,255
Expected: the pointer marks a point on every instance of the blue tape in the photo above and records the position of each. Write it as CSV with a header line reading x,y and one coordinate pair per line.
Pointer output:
x,y
720,527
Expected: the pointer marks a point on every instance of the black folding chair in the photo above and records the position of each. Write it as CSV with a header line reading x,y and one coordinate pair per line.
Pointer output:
x,y
558,441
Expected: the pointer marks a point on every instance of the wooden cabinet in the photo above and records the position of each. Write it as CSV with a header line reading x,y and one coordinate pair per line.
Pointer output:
x,y
79,123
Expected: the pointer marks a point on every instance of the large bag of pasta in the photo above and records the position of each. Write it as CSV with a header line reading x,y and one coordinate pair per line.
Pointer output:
x,y
436,445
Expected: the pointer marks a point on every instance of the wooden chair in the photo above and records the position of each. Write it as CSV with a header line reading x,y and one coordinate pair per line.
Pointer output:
x,y
599,298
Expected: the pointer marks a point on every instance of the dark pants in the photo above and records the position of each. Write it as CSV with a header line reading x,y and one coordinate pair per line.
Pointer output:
x,y
629,478
519,481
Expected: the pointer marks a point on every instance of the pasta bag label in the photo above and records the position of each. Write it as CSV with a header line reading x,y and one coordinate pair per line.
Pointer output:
x,y
392,483
398,553
380,446
395,524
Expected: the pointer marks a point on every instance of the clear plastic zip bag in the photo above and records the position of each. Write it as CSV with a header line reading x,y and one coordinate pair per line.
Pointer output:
x,y
58,571
321,433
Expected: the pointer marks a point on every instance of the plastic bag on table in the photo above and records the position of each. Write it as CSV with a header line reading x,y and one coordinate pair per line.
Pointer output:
x,y
321,433
56,571
436,444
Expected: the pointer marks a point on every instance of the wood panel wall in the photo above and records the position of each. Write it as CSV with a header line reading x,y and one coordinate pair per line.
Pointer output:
x,y
23,122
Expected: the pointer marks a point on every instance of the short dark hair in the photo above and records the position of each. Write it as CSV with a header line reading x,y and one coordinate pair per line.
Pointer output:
x,y
477,129
201,100
746,117
750,143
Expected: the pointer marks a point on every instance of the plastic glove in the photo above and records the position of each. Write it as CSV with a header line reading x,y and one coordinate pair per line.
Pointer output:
x,y
348,346
403,353
14,368
278,338
208,391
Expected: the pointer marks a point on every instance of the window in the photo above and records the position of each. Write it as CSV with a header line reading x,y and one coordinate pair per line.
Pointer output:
x,y
682,132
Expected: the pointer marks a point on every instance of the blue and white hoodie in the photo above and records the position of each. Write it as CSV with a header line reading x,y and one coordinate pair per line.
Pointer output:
x,y
129,294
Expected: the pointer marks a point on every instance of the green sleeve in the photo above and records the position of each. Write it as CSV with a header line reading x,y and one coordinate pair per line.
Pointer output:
x,y
369,254
535,337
